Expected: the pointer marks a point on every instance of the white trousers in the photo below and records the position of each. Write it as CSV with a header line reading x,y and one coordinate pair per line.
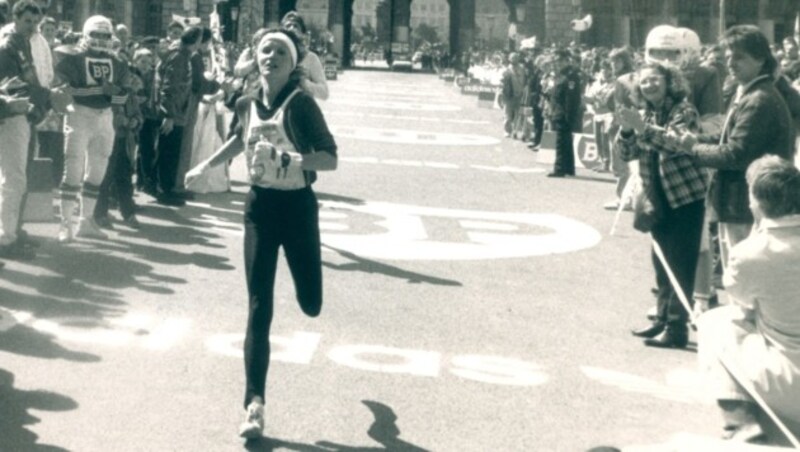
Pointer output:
x,y
88,144
15,135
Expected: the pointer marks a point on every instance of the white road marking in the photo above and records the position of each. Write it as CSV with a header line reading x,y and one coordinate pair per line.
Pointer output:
x,y
414,137
507,169
691,393
429,119
388,105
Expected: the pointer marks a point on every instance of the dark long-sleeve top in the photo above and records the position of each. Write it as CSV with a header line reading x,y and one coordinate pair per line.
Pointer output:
x,y
566,98
175,83
682,180
200,84
16,60
758,123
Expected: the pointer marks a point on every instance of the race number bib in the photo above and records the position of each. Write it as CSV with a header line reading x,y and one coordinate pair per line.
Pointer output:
x,y
271,166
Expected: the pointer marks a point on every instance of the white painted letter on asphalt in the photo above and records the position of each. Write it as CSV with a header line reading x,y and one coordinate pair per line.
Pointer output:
x,y
497,370
374,358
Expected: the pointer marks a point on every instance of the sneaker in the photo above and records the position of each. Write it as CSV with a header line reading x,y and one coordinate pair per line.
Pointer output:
x,y
65,234
104,222
132,222
16,251
253,425
88,229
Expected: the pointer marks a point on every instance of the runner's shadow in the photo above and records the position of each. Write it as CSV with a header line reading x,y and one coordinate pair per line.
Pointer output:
x,y
383,430
15,416
370,266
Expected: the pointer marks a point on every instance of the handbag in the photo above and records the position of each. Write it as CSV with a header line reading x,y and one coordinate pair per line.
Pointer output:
x,y
648,206
648,212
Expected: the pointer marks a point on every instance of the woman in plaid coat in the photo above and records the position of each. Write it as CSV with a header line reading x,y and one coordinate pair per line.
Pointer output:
x,y
673,183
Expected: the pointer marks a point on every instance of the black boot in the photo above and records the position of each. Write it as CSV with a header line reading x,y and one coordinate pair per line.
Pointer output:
x,y
676,335
656,328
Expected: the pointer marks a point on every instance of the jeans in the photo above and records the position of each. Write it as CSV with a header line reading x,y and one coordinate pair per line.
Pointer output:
x,y
15,133
274,219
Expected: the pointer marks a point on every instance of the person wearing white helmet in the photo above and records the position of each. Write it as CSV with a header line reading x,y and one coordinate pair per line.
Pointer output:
x,y
681,47
96,77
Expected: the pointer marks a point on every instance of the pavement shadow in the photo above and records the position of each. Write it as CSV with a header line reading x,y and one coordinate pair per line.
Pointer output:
x,y
17,336
365,265
81,267
383,430
340,198
15,417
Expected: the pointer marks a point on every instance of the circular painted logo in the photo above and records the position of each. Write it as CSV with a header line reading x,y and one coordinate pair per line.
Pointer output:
x,y
403,232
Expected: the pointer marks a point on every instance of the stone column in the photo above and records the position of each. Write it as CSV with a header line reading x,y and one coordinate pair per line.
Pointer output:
x,y
83,10
765,23
128,15
272,13
251,14
558,14
622,29
401,21
669,13
462,25
336,24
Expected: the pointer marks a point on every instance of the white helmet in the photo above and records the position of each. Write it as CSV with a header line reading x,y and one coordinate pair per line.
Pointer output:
x,y
668,44
98,33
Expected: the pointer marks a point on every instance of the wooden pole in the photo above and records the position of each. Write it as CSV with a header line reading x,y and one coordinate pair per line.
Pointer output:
x,y
721,17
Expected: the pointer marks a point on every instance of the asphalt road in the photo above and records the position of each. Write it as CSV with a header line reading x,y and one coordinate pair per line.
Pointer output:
x,y
471,304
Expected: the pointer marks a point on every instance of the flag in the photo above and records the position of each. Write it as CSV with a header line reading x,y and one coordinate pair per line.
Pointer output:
x,y
215,26
797,28
186,21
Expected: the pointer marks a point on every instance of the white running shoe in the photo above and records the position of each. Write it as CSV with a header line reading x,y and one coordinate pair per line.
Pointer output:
x,y
253,425
88,229
65,234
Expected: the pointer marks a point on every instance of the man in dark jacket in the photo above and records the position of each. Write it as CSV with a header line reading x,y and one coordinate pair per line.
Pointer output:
x,y
758,123
175,89
566,112
16,63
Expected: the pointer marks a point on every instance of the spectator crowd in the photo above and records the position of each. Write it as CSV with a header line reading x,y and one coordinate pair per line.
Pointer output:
x,y
699,139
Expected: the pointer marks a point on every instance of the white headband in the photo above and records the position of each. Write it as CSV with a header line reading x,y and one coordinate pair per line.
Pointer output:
x,y
286,40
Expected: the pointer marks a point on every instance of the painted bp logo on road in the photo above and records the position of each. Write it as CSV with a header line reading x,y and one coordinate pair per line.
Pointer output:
x,y
389,105
413,137
403,232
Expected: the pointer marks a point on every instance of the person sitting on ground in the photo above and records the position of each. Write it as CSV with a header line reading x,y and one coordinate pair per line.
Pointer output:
x,y
760,329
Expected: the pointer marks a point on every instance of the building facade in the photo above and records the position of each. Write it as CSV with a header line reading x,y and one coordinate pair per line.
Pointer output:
x,y
616,22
